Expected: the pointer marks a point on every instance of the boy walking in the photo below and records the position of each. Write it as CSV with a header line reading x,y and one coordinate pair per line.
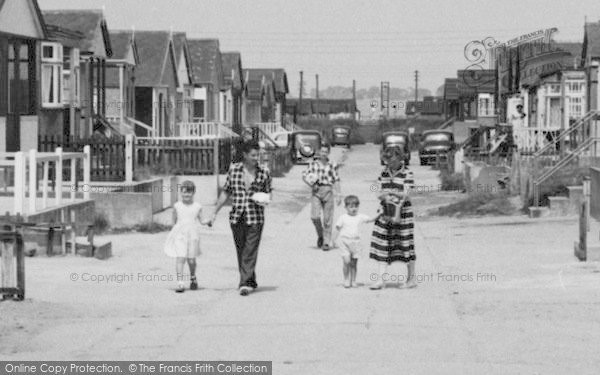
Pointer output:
x,y
321,175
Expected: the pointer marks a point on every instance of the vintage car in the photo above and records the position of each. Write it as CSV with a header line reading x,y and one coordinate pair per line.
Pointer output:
x,y
435,144
340,135
395,138
304,145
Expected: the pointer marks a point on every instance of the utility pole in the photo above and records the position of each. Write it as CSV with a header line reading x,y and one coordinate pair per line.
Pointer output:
x,y
317,95
385,100
416,86
354,97
300,96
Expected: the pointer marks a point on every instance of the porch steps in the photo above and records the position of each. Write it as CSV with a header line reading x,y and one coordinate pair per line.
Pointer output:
x,y
560,205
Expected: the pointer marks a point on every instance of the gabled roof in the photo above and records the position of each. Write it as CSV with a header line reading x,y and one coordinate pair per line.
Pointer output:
x,y
574,48
86,22
472,82
154,48
591,41
451,89
206,62
123,41
64,36
38,28
278,76
232,69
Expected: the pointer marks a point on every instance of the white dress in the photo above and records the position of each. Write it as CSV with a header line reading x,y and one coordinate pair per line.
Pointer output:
x,y
184,239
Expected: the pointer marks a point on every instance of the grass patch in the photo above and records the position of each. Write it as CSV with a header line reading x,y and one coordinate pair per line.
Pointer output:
x,y
452,181
482,204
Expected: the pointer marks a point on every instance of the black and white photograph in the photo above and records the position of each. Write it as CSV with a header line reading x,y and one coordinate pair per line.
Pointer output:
x,y
299,187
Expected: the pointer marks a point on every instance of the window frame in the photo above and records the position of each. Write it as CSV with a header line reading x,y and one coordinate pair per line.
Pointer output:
x,y
55,63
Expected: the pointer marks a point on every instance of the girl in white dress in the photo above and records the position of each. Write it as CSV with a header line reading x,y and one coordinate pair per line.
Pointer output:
x,y
183,242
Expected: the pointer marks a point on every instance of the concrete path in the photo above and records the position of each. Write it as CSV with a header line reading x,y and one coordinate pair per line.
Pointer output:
x,y
495,295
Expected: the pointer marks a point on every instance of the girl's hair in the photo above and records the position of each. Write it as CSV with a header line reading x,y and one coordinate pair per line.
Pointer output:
x,y
393,152
351,200
188,186
250,145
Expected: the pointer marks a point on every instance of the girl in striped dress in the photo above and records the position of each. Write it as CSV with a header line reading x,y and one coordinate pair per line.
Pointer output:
x,y
394,241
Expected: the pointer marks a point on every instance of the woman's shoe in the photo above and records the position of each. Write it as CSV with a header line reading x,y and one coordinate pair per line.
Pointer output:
x,y
245,290
376,286
193,284
180,288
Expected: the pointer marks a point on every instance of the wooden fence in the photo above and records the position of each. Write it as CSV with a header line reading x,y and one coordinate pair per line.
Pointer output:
x,y
108,155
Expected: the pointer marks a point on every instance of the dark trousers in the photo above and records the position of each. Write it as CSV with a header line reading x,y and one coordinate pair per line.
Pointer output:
x,y
247,238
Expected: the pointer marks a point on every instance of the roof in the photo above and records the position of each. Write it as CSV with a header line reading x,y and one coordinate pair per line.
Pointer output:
x,y
574,48
277,75
86,22
472,82
179,42
153,47
231,63
206,61
328,106
451,89
38,13
591,40
66,37
121,41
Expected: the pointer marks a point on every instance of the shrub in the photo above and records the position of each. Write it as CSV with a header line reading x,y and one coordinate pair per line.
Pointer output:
x,y
101,223
479,204
452,181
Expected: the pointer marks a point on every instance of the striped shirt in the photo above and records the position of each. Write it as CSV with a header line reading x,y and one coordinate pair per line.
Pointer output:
x,y
402,181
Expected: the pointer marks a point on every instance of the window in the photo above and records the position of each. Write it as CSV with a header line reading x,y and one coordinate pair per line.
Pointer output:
x,y
486,105
575,87
52,65
71,76
554,89
575,107
21,56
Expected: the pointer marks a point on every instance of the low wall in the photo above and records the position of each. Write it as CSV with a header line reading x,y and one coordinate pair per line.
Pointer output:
x,y
134,204
82,212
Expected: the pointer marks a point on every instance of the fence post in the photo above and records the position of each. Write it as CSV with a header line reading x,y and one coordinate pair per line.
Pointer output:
x,y
86,171
58,180
32,180
19,200
129,158
586,198
216,161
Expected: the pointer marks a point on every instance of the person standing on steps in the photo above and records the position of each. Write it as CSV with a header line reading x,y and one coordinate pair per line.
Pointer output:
x,y
322,177
249,186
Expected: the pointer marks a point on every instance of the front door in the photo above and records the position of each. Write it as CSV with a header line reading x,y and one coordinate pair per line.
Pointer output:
x,y
554,113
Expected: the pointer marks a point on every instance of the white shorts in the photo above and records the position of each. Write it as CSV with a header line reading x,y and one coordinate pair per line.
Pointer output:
x,y
350,247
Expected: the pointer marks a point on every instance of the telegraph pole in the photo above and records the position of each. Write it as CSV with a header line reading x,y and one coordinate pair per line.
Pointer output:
x,y
385,102
416,86
300,96
354,97
317,97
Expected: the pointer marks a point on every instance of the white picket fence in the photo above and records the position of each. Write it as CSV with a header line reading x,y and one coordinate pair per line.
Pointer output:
x,y
204,130
270,127
24,169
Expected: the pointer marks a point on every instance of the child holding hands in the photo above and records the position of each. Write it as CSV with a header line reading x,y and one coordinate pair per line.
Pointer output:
x,y
347,229
183,242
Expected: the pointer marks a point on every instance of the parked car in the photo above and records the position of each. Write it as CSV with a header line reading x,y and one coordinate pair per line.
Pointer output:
x,y
304,145
340,135
395,138
281,138
434,143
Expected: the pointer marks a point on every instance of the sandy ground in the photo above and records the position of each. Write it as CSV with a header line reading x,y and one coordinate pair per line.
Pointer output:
x,y
496,295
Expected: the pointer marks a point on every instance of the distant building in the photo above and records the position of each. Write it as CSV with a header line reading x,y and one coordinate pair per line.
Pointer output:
x,y
322,108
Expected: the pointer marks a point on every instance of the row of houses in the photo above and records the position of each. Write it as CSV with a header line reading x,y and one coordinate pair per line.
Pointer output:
x,y
537,86
64,72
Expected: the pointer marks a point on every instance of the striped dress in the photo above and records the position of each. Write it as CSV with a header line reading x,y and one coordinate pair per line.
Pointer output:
x,y
392,242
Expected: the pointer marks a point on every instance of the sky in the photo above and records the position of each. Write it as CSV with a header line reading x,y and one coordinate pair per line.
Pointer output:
x,y
342,40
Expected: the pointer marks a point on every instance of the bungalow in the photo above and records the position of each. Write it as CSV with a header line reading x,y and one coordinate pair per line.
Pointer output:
x,y
83,67
22,28
183,98
120,81
270,98
207,79
156,82
233,77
